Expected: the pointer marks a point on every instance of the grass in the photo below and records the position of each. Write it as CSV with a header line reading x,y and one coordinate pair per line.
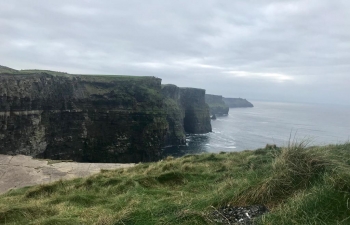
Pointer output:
x,y
299,184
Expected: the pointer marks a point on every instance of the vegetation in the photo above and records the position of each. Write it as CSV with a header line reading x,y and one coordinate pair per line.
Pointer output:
x,y
300,185
4,69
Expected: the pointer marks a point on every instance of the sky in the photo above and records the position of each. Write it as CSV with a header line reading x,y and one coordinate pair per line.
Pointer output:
x,y
270,50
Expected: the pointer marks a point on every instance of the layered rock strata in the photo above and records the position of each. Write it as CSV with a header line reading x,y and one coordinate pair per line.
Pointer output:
x,y
59,116
216,104
82,118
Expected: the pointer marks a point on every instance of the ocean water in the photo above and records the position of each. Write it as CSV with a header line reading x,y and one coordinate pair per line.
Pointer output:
x,y
271,123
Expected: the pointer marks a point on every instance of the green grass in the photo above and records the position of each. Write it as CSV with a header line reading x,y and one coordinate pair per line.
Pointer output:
x,y
300,185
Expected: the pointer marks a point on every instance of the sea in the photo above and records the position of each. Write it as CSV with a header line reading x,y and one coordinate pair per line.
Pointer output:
x,y
270,123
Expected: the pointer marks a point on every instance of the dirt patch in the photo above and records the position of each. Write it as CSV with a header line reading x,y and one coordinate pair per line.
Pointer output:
x,y
20,171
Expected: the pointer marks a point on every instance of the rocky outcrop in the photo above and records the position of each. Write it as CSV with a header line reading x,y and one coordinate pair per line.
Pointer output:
x,y
216,104
197,116
237,102
82,118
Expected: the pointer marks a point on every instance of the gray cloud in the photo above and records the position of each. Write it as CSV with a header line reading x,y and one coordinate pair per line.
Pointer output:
x,y
268,49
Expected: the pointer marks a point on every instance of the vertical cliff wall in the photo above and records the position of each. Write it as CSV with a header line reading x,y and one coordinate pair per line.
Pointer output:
x,y
83,118
216,104
175,115
197,116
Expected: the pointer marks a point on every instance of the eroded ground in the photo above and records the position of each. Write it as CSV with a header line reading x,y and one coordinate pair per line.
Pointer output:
x,y
20,171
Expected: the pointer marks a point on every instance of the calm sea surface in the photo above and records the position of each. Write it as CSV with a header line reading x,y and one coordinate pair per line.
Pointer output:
x,y
273,123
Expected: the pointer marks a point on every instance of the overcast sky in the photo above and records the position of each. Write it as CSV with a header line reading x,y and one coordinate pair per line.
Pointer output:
x,y
274,50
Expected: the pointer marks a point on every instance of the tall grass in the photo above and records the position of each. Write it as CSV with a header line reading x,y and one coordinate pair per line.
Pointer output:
x,y
299,184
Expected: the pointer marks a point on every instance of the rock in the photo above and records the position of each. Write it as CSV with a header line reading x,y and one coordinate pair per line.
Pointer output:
x,y
237,215
175,115
187,112
81,118
213,117
237,102
216,104
59,116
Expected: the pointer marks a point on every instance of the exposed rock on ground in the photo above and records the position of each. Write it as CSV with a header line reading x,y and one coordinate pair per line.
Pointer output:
x,y
238,215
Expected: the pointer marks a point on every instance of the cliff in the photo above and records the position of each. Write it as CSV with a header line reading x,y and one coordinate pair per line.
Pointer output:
x,y
237,102
197,115
48,114
82,118
186,111
175,115
216,104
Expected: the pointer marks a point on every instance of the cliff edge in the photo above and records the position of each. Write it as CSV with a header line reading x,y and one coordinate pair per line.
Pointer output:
x,y
186,111
237,102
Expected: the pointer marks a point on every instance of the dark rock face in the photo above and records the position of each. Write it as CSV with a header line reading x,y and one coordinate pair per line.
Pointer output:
x,y
186,112
237,102
216,104
175,115
197,116
83,118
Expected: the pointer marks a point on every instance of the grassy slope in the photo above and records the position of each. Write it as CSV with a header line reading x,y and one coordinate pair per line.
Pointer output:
x,y
299,185
4,69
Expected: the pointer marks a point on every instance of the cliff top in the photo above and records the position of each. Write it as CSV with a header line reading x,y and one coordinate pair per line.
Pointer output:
x,y
4,69
35,72
211,95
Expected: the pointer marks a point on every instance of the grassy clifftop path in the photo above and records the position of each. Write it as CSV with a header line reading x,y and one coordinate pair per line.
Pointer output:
x,y
297,184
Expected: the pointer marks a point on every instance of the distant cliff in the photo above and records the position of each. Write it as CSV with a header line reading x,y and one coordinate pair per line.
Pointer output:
x,y
237,102
197,116
55,115
187,112
216,104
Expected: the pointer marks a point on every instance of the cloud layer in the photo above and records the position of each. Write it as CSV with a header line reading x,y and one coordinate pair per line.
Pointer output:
x,y
268,49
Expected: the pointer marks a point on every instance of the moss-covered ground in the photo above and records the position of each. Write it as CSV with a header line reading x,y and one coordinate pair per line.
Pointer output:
x,y
300,185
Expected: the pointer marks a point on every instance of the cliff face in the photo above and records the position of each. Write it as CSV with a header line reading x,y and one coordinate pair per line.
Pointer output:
x,y
175,115
197,116
237,102
216,104
83,118
187,112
